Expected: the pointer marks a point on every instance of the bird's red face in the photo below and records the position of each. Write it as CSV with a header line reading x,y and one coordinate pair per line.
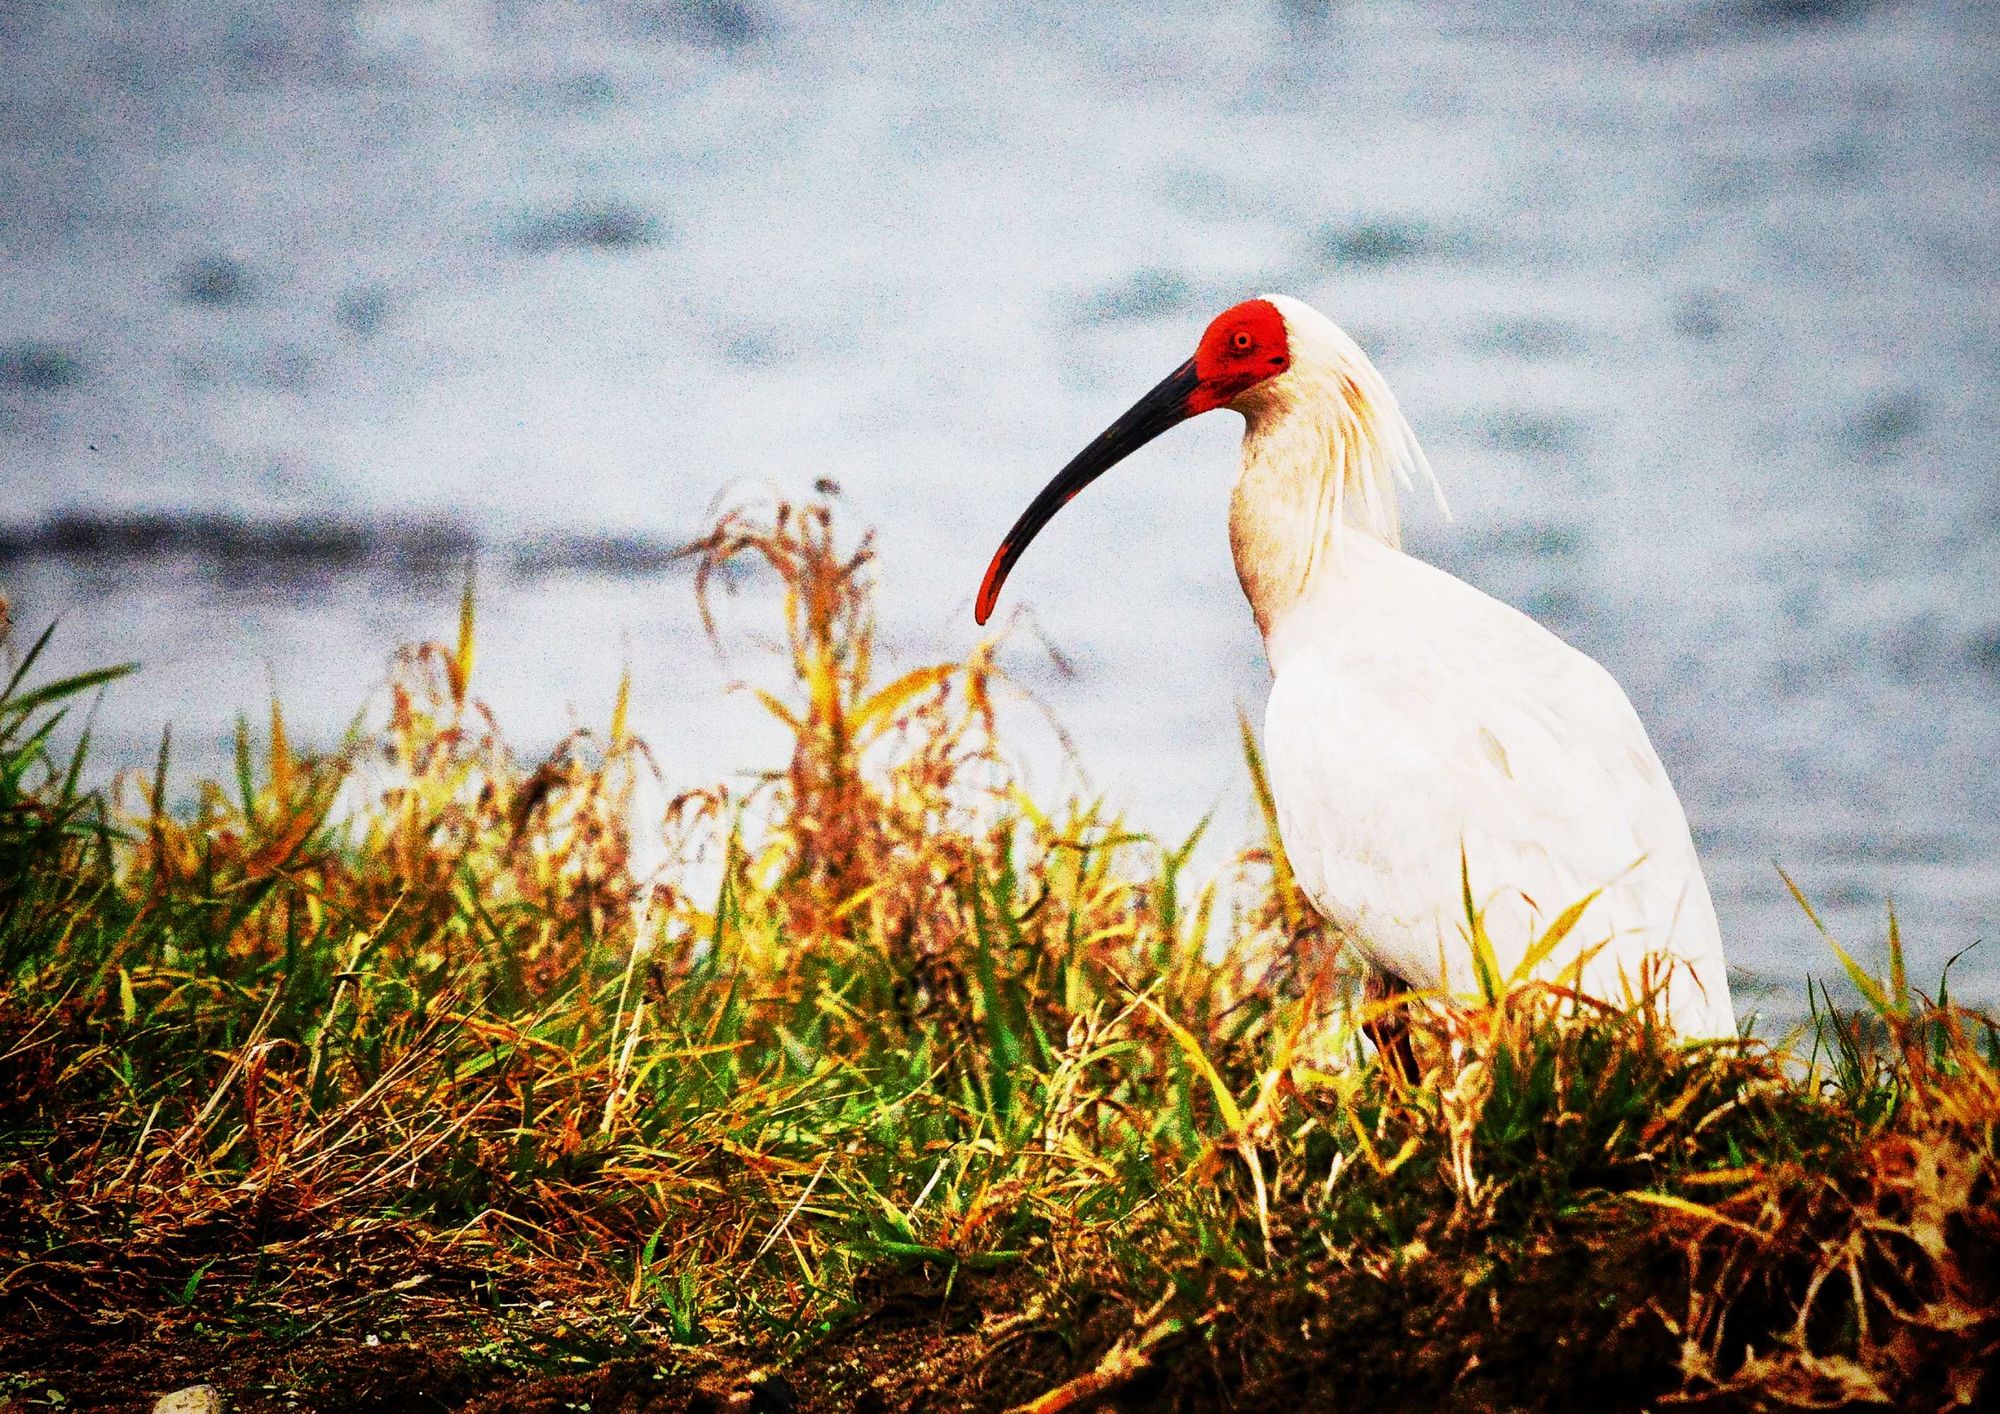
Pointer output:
x,y
1243,346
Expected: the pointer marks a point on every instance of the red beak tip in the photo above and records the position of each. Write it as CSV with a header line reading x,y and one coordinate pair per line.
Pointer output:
x,y
989,588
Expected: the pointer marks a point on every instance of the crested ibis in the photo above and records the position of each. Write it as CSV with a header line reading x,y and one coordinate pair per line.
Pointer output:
x,y
1423,739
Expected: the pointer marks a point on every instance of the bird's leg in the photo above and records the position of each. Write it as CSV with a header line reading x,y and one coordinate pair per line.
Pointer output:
x,y
1389,1029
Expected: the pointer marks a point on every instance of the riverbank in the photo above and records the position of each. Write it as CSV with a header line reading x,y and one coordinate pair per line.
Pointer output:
x,y
385,1078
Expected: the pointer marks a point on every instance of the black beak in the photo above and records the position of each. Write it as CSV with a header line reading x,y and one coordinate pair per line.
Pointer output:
x,y
1165,406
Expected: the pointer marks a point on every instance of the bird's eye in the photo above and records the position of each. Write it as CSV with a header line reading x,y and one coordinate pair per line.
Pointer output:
x,y
1241,341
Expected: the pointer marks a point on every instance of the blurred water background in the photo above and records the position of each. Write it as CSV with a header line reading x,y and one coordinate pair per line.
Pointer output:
x,y
303,302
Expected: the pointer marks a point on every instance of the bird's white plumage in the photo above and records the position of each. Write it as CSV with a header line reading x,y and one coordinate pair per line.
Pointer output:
x,y
1413,717
1409,715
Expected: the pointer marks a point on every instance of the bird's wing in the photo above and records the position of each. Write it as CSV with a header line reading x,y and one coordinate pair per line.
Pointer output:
x,y
1395,741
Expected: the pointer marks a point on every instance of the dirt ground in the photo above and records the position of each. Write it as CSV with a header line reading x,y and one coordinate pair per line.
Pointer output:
x,y
919,1344
911,1350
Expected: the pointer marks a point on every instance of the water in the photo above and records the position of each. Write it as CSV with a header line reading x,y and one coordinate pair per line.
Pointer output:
x,y
1693,305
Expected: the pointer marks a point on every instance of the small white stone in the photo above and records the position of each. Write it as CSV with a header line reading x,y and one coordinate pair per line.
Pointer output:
x,y
195,1399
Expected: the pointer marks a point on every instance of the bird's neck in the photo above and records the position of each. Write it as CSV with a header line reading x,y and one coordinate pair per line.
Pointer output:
x,y
1315,481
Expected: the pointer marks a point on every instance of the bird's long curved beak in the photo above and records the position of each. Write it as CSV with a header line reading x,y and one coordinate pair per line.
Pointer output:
x,y
1170,403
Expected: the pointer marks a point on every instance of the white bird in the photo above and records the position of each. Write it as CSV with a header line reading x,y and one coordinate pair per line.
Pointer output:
x,y
1422,736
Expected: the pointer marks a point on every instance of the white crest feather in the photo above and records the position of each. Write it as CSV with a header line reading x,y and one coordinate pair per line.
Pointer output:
x,y
1370,443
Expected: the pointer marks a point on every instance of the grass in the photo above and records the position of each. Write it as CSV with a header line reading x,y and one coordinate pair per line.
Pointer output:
x,y
386,1078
